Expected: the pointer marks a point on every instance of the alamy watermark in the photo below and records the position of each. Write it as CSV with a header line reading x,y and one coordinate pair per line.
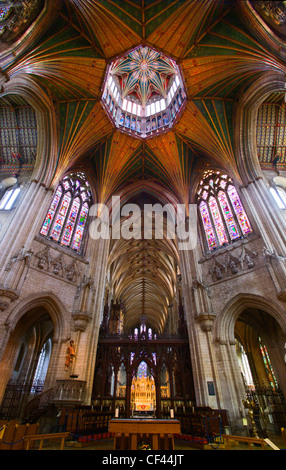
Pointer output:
x,y
155,221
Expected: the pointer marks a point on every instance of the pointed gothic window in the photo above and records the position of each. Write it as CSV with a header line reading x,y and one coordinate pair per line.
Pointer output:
x,y
66,218
267,364
222,214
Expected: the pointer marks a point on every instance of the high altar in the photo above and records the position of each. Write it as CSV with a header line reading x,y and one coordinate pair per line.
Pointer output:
x,y
157,433
143,395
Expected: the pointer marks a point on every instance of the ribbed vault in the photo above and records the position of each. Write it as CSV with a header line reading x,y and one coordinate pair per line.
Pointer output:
x,y
143,277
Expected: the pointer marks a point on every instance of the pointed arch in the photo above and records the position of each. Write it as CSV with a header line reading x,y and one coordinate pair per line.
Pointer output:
x,y
225,324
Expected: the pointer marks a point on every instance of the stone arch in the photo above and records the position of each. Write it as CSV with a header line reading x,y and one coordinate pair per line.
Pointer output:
x,y
26,87
246,117
225,323
47,300
32,321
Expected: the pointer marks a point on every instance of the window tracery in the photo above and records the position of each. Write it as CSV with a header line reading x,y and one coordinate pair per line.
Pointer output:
x,y
271,131
18,136
66,218
267,364
222,213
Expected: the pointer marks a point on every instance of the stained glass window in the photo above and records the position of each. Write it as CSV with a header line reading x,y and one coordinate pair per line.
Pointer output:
x,y
51,211
239,211
267,364
18,135
211,240
4,13
66,218
229,219
219,227
271,131
223,216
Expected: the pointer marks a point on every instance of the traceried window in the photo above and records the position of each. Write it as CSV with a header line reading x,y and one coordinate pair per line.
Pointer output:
x,y
66,219
244,364
271,131
267,364
223,216
42,366
18,136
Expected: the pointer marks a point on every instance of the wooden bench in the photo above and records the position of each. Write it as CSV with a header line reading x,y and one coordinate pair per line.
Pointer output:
x,y
250,440
42,437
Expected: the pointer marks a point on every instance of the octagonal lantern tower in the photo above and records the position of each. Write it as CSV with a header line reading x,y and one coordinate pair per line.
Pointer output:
x,y
143,92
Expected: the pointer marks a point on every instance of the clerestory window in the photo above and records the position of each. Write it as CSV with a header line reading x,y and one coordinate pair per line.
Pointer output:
x,y
66,219
222,214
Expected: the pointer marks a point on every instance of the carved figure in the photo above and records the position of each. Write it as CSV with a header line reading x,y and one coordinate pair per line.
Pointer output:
x,y
70,354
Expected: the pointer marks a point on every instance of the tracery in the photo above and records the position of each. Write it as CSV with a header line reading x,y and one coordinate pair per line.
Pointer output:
x,y
222,213
66,218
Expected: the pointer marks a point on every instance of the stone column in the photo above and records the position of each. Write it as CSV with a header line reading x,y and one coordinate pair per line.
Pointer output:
x,y
272,227
199,318
88,311
231,384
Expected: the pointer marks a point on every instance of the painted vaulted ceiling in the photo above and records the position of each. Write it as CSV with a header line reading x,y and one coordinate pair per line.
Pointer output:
x,y
219,56
221,46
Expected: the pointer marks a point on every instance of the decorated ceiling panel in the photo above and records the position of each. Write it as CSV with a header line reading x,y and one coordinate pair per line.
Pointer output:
x,y
217,54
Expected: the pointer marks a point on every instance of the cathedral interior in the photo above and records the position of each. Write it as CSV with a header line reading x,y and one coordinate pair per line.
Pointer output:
x,y
116,116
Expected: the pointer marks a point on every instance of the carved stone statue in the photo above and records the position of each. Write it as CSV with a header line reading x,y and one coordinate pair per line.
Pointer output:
x,y
273,254
233,267
70,354
23,254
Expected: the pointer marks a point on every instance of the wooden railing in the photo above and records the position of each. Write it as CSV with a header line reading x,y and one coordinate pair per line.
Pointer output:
x,y
228,439
29,440
16,436
13,434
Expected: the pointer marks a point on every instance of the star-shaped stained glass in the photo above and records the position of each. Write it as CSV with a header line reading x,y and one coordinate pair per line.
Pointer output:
x,y
144,73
